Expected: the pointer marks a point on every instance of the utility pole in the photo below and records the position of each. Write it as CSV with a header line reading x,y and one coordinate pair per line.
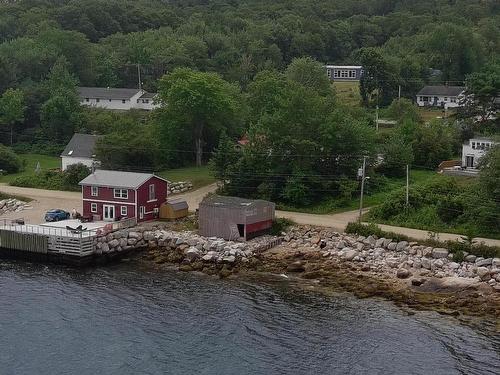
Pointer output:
x,y
139,75
399,93
376,117
363,173
407,185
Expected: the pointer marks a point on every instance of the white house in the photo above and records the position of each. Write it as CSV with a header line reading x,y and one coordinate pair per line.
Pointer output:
x,y
474,150
344,72
80,149
117,98
441,96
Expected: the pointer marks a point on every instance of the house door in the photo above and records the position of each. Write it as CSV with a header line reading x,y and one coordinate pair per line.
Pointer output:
x,y
108,212
142,210
469,161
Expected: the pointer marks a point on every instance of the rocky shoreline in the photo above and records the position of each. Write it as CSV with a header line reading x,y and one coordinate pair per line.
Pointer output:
x,y
12,205
408,273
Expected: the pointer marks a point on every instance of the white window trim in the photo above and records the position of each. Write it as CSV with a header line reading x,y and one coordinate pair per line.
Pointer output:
x,y
110,202
120,195
151,189
122,209
96,194
93,208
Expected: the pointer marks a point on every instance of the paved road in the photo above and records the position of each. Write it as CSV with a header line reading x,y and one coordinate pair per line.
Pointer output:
x,y
44,200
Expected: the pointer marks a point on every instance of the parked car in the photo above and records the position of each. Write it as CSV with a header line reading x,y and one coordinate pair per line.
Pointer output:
x,y
56,215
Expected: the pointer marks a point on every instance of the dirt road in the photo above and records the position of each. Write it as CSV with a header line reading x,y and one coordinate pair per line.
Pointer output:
x,y
44,200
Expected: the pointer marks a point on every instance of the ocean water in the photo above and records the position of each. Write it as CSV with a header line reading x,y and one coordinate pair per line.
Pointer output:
x,y
124,320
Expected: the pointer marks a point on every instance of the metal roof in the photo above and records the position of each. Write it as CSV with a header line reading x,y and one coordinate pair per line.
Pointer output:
x,y
80,146
118,179
344,66
442,90
177,204
148,95
106,93
224,201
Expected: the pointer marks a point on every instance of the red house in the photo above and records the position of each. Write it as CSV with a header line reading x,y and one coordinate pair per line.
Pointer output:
x,y
113,195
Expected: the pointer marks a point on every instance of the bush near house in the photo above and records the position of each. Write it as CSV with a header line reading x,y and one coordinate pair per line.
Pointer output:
x,y
9,161
54,179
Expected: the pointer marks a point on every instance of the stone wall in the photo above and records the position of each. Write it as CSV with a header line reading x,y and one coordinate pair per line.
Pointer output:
x,y
190,245
179,187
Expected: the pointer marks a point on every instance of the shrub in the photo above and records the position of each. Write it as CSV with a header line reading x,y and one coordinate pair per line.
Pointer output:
x,y
9,161
280,225
74,174
373,230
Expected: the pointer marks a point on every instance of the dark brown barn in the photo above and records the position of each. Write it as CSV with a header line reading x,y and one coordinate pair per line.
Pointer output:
x,y
233,218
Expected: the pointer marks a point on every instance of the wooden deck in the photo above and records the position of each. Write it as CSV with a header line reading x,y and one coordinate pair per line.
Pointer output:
x,y
50,240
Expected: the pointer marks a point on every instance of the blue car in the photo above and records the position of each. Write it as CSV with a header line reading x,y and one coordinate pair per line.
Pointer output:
x,y
56,215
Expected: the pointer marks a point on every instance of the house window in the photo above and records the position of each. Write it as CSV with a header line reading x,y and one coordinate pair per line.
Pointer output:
x,y
110,100
95,191
344,73
445,98
453,100
474,145
329,73
93,207
151,192
336,74
97,100
352,74
123,101
145,100
425,98
123,210
120,193
87,99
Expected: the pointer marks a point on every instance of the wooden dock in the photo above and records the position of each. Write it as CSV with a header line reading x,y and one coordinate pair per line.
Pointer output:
x,y
49,243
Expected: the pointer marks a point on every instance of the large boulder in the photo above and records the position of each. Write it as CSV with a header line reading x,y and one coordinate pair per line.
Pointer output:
x,y
350,254
439,253
403,273
484,262
192,253
402,245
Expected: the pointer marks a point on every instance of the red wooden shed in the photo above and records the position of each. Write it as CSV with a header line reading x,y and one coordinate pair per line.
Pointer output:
x,y
114,195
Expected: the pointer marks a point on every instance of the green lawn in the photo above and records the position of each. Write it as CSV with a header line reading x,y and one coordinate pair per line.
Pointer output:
x,y
348,93
30,161
198,176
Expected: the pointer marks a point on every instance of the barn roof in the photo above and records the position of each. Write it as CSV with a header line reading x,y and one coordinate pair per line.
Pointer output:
x,y
224,201
80,146
177,204
442,90
117,179
106,92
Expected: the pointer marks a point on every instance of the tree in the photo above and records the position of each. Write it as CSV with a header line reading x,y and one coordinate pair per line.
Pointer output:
x,y
12,109
309,73
379,78
60,115
483,88
223,157
199,102
9,161
490,172
397,154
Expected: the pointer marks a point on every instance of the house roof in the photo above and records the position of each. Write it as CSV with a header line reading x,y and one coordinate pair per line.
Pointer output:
x,y
106,92
223,201
148,95
344,67
118,179
80,146
442,90
177,204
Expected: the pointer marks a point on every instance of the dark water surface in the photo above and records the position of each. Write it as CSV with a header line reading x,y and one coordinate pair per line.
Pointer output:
x,y
119,320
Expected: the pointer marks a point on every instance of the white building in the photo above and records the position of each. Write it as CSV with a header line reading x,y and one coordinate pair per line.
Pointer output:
x,y
117,98
474,150
80,149
441,96
344,72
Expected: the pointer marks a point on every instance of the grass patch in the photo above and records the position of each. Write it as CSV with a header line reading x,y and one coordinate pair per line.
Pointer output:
x,y
429,114
348,92
199,176
29,165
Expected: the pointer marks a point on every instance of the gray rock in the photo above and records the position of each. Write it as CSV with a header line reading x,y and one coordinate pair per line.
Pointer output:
x,y
483,272
426,263
341,244
229,259
439,253
454,265
401,245
114,243
484,262
392,246
350,254
438,263
380,242
417,281
105,247
392,262
148,236
192,253
132,241
403,273
135,235
470,258
427,252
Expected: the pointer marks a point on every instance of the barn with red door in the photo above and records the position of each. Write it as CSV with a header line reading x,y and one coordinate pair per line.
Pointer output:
x,y
234,218
115,195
